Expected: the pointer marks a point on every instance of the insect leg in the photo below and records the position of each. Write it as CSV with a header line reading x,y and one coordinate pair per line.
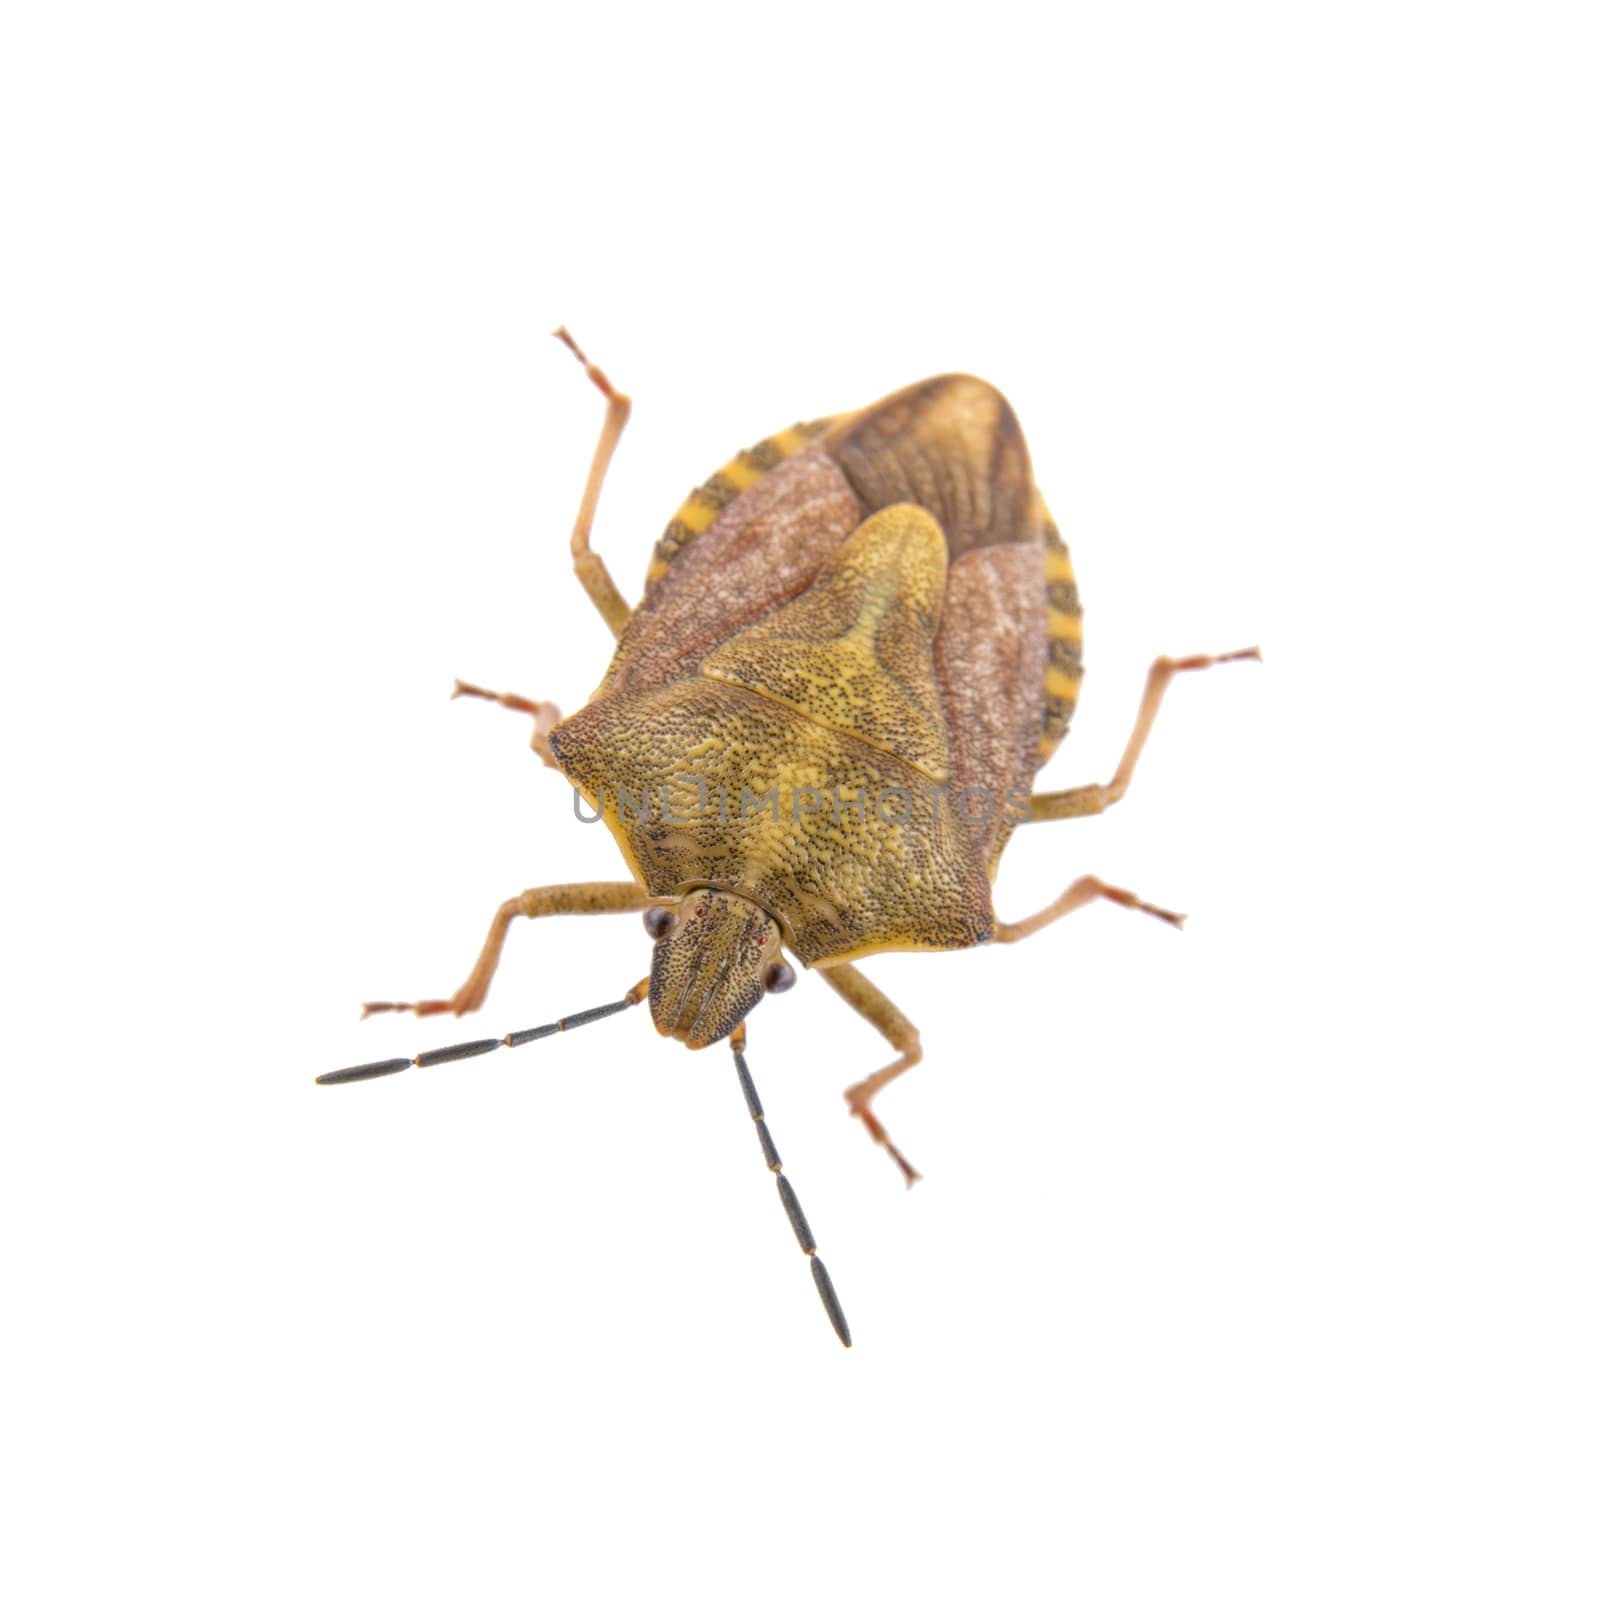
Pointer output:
x,y
563,899
545,713
865,997
1091,798
591,570
1079,894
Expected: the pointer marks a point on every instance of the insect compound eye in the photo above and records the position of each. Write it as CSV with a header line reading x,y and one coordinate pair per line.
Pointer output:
x,y
657,921
778,978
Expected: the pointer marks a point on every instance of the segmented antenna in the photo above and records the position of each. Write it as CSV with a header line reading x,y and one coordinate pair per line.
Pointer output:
x,y
791,1202
481,1047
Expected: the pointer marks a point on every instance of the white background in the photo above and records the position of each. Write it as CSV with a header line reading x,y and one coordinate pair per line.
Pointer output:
x,y
1255,1261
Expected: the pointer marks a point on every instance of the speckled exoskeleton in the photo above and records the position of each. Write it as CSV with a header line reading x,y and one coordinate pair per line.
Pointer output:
x,y
858,643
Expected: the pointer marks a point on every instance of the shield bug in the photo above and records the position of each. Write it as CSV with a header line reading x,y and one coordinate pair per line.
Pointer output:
x,y
859,642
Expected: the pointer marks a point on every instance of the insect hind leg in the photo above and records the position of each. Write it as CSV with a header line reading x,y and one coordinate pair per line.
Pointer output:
x,y
1090,799
597,582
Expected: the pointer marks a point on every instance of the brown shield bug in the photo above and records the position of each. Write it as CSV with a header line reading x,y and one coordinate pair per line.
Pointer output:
x,y
858,643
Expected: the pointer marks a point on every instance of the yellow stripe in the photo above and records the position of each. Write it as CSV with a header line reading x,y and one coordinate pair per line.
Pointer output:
x,y
1056,682
747,469
696,515
740,474
1057,566
791,441
1064,627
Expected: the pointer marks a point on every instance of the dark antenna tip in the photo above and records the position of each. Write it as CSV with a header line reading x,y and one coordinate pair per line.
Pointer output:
x,y
482,1047
830,1300
791,1201
373,1069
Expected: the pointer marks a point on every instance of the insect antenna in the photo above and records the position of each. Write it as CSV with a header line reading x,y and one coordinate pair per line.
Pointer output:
x,y
791,1201
482,1047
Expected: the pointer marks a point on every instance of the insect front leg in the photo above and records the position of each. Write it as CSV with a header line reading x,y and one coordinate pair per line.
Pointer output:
x,y
545,713
1092,798
865,997
566,899
591,570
